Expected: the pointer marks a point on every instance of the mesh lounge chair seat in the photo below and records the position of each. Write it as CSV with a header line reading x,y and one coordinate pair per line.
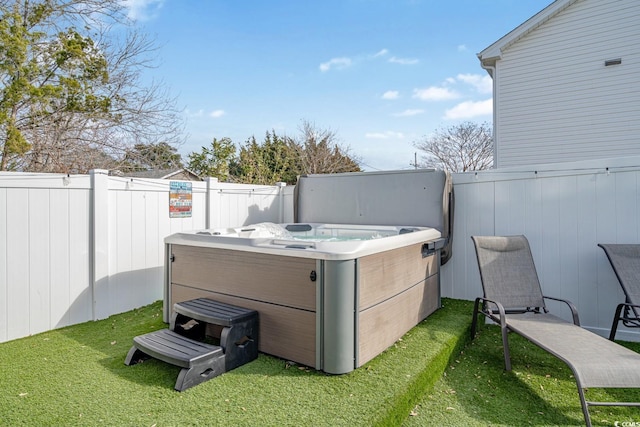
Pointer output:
x,y
625,261
513,298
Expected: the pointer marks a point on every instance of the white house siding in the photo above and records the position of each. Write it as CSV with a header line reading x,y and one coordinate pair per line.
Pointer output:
x,y
555,99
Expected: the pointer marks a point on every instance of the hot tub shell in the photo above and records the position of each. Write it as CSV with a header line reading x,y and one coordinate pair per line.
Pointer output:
x,y
331,305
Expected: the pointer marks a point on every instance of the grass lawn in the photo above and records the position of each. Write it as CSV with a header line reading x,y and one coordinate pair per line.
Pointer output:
x,y
475,390
77,376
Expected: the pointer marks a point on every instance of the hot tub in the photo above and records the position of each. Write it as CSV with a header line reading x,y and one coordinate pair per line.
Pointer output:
x,y
330,296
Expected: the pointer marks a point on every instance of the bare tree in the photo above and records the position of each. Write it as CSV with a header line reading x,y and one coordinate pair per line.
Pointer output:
x,y
320,152
71,96
460,148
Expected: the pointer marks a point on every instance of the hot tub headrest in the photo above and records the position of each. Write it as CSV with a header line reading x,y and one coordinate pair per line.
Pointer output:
x,y
422,197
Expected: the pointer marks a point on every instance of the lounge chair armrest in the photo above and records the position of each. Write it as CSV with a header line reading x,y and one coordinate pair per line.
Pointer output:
x,y
574,310
628,304
501,310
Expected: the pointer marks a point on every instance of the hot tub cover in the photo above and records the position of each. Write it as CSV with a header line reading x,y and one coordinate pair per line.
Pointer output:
x,y
422,197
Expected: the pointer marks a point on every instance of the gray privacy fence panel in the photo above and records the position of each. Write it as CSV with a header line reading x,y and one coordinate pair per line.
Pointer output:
x,y
565,210
83,247
234,205
44,252
130,230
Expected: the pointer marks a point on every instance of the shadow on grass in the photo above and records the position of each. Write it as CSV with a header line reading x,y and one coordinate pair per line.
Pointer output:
x,y
494,396
77,376
540,390
113,337
552,380
475,390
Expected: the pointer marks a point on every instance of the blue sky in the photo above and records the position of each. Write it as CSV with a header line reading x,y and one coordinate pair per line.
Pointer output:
x,y
381,74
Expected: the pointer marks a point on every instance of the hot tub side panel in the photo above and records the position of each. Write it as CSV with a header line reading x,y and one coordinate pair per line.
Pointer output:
x,y
397,290
279,288
385,274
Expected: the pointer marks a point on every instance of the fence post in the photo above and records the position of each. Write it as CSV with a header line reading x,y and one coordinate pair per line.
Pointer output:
x,y
281,186
209,200
99,247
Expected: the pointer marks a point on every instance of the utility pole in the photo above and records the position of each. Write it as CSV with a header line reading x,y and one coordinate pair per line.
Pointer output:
x,y
415,161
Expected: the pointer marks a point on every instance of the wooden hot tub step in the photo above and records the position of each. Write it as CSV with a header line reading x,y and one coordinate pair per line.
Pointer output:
x,y
184,343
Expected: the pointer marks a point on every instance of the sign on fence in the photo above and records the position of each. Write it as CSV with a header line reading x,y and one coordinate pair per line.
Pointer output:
x,y
180,199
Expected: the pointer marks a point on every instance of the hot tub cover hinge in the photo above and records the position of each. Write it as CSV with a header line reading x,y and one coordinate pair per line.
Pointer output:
x,y
430,248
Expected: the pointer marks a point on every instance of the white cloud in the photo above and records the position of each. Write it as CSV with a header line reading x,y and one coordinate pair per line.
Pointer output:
x,y
382,52
462,48
470,109
340,63
403,61
337,63
142,10
483,84
434,93
409,113
384,135
391,94
217,114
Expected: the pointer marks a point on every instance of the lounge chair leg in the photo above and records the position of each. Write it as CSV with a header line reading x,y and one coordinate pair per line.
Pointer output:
x,y
505,344
474,321
616,320
585,407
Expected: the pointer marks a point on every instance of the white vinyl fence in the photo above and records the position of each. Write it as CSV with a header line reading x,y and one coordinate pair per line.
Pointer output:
x,y
564,210
82,247
79,248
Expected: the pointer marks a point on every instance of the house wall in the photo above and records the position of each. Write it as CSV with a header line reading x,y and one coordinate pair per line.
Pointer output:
x,y
556,101
184,176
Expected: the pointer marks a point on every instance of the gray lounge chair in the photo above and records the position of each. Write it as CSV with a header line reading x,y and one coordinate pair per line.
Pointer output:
x,y
625,261
513,298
